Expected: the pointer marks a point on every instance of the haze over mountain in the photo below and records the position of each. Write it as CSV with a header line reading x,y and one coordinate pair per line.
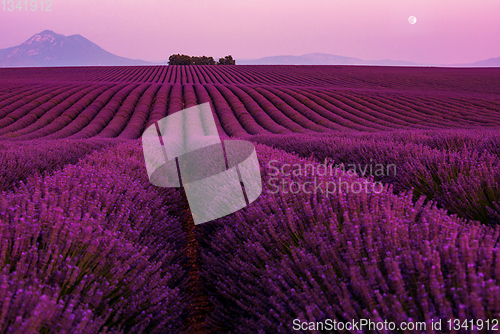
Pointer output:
x,y
50,49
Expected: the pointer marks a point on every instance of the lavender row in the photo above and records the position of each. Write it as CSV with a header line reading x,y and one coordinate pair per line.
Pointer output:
x,y
15,111
459,170
226,116
175,102
88,127
386,106
121,118
190,99
17,92
18,161
273,112
80,120
136,125
255,110
240,109
314,113
51,127
160,106
49,110
344,257
331,112
245,118
204,97
385,117
24,98
47,122
95,247
430,80
364,114
302,118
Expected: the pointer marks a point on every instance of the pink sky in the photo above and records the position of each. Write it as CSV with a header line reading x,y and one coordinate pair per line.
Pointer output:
x,y
446,32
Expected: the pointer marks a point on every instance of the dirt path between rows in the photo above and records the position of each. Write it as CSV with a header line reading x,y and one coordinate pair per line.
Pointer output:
x,y
200,305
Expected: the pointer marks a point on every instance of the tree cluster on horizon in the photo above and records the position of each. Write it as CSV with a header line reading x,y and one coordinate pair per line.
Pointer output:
x,y
178,59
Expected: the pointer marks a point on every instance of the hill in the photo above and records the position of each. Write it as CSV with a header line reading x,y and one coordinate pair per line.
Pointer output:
x,y
48,49
492,62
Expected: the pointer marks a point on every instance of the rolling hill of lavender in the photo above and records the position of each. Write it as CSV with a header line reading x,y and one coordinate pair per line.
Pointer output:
x,y
89,245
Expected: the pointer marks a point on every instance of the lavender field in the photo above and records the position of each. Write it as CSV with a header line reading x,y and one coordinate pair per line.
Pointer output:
x,y
89,245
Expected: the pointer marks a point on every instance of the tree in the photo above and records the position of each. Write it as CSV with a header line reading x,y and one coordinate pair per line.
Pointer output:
x,y
203,60
227,60
180,60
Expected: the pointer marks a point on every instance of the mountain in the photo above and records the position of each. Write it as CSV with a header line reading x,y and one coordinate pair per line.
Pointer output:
x,y
492,62
322,59
50,49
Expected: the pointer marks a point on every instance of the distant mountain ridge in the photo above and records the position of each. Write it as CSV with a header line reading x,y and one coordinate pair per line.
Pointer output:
x,y
492,62
328,59
51,49
321,59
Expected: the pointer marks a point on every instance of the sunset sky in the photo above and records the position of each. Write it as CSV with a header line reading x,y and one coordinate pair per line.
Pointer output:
x,y
446,32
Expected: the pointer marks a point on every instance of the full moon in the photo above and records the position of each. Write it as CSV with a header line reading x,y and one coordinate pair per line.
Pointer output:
x,y
412,19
